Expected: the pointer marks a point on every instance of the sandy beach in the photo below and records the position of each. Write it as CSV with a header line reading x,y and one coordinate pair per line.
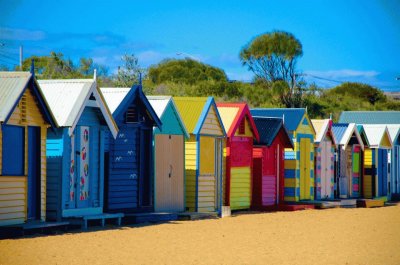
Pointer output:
x,y
334,236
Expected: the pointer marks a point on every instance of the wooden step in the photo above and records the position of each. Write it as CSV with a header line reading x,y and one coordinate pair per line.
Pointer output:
x,y
197,216
31,227
370,203
139,218
295,207
83,220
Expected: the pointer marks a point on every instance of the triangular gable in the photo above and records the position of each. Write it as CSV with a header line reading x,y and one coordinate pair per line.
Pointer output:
x,y
168,114
210,122
136,92
323,129
378,136
350,131
394,132
232,115
68,98
13,85
269,128
305,121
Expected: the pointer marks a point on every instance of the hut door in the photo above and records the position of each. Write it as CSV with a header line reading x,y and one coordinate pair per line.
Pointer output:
x,y
84,167
34,155
277,160
396,168
305,169
326,169
382,172
356,158
145,191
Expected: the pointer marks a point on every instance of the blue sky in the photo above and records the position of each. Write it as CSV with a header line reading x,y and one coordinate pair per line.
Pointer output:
x,y
342,40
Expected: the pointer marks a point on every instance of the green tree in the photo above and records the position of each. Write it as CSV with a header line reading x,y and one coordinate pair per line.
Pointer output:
x,y
128,74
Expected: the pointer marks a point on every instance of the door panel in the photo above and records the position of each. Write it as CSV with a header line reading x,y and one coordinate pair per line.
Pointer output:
x,y
84,170
34,155
305,169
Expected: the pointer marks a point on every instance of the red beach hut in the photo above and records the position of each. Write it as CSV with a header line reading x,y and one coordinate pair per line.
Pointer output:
x,y
268,163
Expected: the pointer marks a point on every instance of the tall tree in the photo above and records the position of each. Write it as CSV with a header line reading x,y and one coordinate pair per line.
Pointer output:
x,y
129,73
273,56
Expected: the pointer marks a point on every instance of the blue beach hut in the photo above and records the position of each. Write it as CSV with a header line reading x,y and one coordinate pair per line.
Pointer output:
x,y
75,150
129,157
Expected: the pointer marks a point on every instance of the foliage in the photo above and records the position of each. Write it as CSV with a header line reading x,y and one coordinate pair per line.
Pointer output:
x,y
185,71
129,74
272,56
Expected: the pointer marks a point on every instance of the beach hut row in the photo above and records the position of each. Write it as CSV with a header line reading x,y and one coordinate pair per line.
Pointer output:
x,y
71,150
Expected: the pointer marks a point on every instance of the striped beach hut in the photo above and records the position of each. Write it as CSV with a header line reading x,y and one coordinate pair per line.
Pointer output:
x,y
240,131
375,180
348,162
268,163
203,153
24,120
169,156
299,165
392,120
75,150
324,159
394,131
129,157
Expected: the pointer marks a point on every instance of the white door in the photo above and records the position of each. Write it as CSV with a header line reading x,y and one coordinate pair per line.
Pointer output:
x,y
326,169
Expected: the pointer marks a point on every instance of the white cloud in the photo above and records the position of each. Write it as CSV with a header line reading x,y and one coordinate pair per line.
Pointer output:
x,y
21,34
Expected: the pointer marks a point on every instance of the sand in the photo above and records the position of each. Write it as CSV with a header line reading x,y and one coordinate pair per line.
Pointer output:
x,y
334,236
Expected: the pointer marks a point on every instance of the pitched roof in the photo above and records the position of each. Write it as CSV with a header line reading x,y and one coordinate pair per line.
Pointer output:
x,y
119,98
231,115
370,117
394,131
193,111
342,133
12,87
321,127
160,104
67,99
376,134
292,116
269,128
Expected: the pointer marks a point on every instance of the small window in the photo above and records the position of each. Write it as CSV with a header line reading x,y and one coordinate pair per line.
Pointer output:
x,y
242,127
13,150
131,115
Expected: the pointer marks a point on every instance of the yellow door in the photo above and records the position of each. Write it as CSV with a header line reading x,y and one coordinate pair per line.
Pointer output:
x,y
305,169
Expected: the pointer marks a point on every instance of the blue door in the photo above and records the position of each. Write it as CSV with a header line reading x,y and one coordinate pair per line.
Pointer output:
x,y
34,156
84,168
13,150
382,172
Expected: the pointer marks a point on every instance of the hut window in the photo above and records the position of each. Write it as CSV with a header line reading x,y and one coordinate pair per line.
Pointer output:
x,y
13,150
131,115
242,127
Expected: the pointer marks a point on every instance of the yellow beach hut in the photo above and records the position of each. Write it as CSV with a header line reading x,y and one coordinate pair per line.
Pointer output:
x,y
203,153
24,119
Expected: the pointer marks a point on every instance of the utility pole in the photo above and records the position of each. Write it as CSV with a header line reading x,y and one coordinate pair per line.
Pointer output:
x,y
20,57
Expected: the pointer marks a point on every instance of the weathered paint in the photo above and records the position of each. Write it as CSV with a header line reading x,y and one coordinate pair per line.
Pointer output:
x,y
26,113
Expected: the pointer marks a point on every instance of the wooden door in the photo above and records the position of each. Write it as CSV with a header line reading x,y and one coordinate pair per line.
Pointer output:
x,y
356,171
84,167
169,173
305,169
326,164
396,169
34,155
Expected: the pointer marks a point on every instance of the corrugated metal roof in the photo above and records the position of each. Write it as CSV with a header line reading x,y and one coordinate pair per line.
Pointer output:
x,y
190,109
114,96
394,131
342,133
65,97
292,116
268,129
12,84
370,117
159,103
321,127
375,133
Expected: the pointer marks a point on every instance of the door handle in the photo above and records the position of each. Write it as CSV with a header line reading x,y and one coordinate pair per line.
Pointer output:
x,y
170,171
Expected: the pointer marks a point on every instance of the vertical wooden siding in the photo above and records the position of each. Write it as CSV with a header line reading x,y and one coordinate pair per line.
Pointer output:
x,y
190,166
169,174
27,113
